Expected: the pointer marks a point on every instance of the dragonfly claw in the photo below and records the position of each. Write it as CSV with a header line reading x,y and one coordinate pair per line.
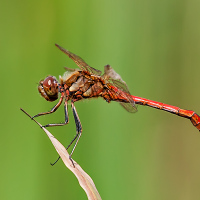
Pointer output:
x,y
72,161
34,116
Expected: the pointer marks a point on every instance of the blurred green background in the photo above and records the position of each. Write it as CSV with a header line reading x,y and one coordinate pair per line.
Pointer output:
x,y
155,47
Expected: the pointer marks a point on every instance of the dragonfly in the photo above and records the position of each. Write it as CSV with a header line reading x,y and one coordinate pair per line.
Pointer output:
x,y
88,82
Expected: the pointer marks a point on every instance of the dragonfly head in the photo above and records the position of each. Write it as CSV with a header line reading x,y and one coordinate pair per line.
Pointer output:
x,y
48,88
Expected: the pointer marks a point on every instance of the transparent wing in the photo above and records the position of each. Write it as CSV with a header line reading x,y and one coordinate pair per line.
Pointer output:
x,y
79,61
129,107
70,69
116,80
121,85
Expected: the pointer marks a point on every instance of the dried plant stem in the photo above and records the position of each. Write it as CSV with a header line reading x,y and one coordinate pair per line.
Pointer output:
x,y
84,179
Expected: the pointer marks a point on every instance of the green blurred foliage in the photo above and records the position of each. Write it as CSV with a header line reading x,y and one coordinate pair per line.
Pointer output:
x,y
154,45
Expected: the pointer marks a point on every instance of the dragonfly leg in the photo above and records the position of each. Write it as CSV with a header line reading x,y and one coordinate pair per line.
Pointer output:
x,y
66,118
77,136
66,149
52,110
78,130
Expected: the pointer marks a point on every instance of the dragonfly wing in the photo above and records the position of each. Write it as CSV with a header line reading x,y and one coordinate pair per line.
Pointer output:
x,y
116,80
79,61
129,107
121,85
109,72
94,71
70,69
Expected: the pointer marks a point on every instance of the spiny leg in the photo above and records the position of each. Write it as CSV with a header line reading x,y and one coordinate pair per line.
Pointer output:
x,y
78,129
66,118
77,136
66,149
52,110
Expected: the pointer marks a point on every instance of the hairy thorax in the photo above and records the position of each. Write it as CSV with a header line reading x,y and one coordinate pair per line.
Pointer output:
x,y
81,85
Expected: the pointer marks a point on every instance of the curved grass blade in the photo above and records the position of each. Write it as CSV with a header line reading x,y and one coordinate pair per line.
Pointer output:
x,y
84,179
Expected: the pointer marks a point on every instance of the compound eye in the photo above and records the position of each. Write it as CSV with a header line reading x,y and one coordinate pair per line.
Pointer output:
x,y
49,88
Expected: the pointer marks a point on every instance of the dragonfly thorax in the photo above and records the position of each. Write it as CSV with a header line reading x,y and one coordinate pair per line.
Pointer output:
x,y
48,88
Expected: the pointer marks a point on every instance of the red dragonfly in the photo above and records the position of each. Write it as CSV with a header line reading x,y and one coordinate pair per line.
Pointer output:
x,y
87,82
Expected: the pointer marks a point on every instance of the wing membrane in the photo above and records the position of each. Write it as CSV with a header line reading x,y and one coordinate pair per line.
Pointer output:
x,y
80,62
116,80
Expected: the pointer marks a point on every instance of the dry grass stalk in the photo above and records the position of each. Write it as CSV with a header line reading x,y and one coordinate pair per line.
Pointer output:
x,y
84,179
